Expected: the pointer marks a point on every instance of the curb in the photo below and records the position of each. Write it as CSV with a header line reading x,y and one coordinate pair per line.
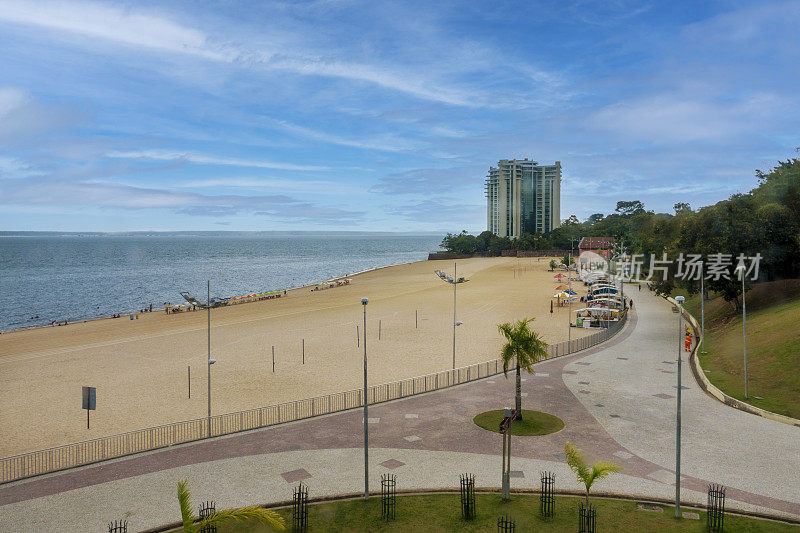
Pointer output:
x,y
714,392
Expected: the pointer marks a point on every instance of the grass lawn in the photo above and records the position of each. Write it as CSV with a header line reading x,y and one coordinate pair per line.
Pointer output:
x,y
441,512
532,423
773,348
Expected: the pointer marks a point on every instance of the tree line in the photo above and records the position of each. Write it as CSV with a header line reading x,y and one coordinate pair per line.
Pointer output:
x,y
765,220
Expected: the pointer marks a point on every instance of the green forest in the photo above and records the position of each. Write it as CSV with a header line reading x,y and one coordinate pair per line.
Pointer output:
x,y
765,220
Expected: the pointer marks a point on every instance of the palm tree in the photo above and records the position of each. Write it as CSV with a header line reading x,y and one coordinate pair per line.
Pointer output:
x,y
254,513
524,347
586,474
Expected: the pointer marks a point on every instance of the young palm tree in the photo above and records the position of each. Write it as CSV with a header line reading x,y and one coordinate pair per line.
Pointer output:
x,y
253,513
524,347
586,474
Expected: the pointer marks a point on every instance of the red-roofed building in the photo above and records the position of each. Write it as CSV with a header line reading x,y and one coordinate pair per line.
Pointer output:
x,y
599,245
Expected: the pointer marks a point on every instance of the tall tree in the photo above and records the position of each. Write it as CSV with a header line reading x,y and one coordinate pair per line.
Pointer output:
x,y
629,208
594,219
524,348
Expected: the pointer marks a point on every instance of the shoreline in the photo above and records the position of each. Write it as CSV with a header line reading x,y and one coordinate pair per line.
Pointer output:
x,y
122,314
152,371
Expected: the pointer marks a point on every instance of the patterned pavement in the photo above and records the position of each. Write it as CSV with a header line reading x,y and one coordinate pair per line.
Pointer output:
x,y
617,401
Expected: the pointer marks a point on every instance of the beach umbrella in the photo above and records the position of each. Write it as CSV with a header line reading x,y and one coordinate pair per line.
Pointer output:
x,y
561,288
559,275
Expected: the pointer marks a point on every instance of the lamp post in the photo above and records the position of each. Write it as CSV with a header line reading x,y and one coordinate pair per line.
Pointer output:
x,y
569,314
210,360
572,247
741,270
702,310
680,300
364,302
454,281
622,278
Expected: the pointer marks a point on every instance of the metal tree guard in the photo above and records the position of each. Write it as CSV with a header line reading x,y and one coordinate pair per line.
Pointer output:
x,y
547,500
715,515
506,524
118,526
388,487
206,510
467,496
587,518
300,508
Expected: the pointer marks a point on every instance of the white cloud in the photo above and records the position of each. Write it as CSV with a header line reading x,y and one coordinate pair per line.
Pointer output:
x,y
111,23
420,78
14,168
190,157
381,142
11,98
685,117
55,191
406,82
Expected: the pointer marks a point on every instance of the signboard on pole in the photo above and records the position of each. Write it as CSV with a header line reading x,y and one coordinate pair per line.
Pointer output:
x,y
89,401
89,398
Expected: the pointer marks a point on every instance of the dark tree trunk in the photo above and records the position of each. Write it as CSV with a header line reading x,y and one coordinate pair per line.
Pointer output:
x,y
519,394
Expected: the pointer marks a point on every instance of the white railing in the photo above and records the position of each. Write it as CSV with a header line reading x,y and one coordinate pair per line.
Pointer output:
x,y
141,440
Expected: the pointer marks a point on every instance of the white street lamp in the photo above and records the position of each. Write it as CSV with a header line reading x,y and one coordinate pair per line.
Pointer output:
x,y
454,280
364,302
741,270
210,360
680,300
702,310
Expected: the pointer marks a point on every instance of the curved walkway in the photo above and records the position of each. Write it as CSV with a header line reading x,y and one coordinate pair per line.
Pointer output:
x,y
616,400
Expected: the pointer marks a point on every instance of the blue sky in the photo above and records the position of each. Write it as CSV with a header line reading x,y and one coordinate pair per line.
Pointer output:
x,y
380,116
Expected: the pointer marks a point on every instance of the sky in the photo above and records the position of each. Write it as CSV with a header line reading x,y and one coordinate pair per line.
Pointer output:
x,y
381,116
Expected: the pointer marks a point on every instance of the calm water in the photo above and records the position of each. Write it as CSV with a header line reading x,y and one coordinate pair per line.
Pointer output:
x,y
78,277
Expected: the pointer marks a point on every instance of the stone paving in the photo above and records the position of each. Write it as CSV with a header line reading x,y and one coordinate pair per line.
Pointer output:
x,y
617,401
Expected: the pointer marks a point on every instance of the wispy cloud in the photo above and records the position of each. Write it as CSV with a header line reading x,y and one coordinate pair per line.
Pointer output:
x,y
112,23
53,191
157,31
11,98
675,117
201,159
426,180
381,142
443,214
257,183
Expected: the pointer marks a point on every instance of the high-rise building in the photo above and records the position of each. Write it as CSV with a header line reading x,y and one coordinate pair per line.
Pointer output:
x,y
523,196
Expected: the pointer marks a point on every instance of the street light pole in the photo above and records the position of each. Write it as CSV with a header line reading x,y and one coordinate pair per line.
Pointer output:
x,y
454,281
210,361
622,278
572,247
741,270
680,300
569,315
364,302
702,310
455,284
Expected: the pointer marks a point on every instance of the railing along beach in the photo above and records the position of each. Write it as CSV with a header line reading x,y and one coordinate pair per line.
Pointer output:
x,y
82,453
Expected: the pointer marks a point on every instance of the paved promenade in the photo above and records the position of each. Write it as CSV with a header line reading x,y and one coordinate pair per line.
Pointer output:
x,y
617,401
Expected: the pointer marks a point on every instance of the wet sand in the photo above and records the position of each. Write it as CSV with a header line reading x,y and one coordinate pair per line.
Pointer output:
x,y
139,367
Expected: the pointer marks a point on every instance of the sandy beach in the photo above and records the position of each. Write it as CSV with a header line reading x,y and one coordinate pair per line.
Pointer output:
x,y
139,367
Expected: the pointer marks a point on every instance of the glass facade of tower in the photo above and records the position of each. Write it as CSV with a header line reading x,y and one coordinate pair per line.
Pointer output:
x,y
523,197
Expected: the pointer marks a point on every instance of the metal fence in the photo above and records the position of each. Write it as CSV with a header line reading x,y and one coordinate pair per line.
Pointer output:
x,y
141,440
